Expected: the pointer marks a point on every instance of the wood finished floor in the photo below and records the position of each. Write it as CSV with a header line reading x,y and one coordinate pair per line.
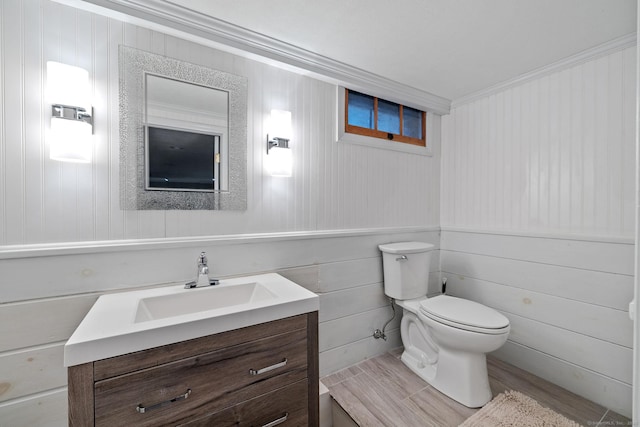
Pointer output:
x,y
383,392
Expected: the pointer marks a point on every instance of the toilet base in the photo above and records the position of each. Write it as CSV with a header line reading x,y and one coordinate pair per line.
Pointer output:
x,y
461,376
451,359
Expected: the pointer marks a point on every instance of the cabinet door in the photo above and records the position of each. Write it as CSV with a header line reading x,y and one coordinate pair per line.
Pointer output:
x,y
190,388
283,407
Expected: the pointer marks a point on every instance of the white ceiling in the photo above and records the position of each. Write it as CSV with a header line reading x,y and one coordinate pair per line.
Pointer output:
x,y
450,48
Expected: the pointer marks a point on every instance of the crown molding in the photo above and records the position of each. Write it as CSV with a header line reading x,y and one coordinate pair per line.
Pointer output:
x,y
188,24
586,55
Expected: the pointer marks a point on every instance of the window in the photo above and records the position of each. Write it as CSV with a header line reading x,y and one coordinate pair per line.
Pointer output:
x,y
370,116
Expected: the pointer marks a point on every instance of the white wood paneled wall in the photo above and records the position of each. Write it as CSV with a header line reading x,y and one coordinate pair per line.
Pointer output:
x,y
334,186
50,204
567,302
538,220
36,320
555,154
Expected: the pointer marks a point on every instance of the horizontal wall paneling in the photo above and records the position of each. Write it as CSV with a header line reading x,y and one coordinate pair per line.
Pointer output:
x,y
341,357
344,330
612,394
111,270
566,299
345,268
577,348
41,321
613,257
31,371
47,409
587,319
594,287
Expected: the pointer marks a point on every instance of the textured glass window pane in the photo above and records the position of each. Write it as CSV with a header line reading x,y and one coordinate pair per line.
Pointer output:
x,y
412,123
388,117
360,110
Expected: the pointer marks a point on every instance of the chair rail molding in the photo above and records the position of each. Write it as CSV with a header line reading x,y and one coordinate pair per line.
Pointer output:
x,y
79,248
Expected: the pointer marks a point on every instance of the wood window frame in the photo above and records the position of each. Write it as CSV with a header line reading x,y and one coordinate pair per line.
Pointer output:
x,y
375,133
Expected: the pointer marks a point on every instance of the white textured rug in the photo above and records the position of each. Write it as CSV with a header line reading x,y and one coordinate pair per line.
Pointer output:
x,y
511,409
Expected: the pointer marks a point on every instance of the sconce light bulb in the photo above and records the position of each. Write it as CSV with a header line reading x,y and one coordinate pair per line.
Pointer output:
x,y
70,141
280,124
280,162
68,85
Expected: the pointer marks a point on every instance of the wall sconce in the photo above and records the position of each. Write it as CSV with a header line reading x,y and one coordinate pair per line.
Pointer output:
x,y
71,113
279,160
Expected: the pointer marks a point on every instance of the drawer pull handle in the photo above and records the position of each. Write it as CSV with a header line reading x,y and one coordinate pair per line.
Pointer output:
x,y
278,421
142,409
268,368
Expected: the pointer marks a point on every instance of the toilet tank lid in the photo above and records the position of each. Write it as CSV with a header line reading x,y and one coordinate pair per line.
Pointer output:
x,y
406,247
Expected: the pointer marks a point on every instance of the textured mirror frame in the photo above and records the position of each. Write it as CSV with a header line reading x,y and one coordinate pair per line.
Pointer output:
x,y
134,64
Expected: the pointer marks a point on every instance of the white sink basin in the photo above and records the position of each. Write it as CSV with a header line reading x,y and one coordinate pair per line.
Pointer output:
x,y
217,297
125,322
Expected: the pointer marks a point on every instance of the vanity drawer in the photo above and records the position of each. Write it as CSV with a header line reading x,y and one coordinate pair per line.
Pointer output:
x,y
193,387
127,363
283,407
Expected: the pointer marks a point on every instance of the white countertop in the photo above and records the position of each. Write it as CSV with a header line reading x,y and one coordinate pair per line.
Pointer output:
x,y
111,328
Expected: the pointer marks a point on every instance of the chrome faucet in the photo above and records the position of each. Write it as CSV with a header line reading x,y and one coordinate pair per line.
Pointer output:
x,y
202,277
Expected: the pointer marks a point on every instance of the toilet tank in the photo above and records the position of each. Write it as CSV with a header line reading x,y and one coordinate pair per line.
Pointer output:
x,y
406,269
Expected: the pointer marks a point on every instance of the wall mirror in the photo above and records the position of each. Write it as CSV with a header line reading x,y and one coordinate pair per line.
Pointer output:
x,y
186,136
182,133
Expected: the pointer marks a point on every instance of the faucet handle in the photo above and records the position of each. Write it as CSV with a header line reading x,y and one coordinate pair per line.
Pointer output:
x,y
202,275
202,259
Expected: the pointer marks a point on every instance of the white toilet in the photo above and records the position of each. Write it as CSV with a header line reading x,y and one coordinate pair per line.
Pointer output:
x,y
445,338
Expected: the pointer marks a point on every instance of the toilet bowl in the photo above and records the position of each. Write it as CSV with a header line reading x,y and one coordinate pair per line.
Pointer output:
x,y
445,338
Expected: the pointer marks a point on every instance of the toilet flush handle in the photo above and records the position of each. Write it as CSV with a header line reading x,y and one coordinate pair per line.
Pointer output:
x,y
402,258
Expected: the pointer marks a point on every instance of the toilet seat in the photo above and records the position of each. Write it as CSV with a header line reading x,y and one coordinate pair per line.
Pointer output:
x,y
464,314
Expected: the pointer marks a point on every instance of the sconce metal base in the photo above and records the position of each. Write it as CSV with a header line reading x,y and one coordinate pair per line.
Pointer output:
x,y
276,142
69,112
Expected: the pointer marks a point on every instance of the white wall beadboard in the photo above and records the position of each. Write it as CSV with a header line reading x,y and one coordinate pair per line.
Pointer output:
x,y
555,154
334,186
537,217
64,239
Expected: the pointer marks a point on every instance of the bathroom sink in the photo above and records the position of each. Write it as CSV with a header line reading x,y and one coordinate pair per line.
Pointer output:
x,y
127,322
217,297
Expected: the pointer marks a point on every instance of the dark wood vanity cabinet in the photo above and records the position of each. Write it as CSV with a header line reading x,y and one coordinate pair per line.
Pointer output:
x,y
262,375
